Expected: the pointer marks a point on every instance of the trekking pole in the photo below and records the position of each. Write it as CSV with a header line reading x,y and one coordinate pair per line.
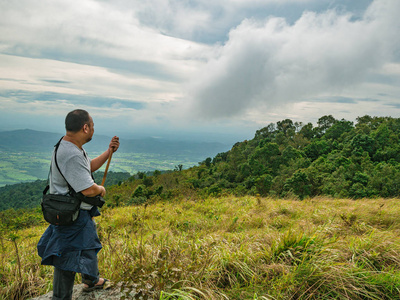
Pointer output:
x,y
108,164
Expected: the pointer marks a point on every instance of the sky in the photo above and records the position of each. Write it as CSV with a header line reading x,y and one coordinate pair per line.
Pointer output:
x,y
196,69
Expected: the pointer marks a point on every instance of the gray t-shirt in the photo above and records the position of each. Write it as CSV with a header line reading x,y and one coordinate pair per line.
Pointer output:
x,y
75,166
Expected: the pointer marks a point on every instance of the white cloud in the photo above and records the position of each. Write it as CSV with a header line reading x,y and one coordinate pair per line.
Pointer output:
x,y
44,75
240,66
272,63
90,29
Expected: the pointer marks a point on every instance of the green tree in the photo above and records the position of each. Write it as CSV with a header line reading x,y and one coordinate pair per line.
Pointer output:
x,y
286,127
290,153
316,148
326,122
263,184
299,184
265,159
307,131
338,129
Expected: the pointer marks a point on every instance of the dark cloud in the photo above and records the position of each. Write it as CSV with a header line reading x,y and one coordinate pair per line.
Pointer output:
x,y
343,100
56,81
337,99
88,100
394,105
12,79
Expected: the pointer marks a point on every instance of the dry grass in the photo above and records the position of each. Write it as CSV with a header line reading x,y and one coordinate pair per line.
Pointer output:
x,y
234,248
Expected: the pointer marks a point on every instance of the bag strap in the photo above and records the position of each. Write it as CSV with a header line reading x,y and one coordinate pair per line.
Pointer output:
x,y
47,183
46,189
71,190
55,160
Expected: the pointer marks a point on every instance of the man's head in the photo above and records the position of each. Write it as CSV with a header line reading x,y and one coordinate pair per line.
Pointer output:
x,y
80,122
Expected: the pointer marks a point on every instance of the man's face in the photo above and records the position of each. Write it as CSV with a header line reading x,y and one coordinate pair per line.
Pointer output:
x,y
90,130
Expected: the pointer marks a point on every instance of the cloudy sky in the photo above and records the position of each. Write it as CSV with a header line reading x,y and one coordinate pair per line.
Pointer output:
x,y
196,68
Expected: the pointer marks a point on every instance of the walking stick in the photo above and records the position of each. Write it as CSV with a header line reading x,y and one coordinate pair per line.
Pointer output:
x,y
108,164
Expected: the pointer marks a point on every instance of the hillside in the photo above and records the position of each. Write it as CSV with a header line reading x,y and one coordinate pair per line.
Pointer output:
x,y
291,160
336,158
229,248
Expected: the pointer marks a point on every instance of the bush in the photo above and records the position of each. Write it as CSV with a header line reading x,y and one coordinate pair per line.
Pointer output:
x,y
137,201
140,191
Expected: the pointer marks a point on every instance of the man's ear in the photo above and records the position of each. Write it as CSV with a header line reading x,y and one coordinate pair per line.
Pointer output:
x,y
85,128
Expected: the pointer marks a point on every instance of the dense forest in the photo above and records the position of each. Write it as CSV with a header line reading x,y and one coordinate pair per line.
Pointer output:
x,y
335,158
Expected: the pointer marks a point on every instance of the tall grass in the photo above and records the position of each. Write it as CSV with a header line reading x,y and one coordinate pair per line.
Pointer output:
x,y
233,248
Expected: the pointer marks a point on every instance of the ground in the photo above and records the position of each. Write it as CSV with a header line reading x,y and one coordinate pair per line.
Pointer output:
x,y
112,291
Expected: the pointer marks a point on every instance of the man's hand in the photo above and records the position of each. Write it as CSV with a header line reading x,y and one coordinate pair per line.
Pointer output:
x,y
114,144
97,162
103,191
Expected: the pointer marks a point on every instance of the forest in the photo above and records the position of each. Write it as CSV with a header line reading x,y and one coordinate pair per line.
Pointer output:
x,y
336,158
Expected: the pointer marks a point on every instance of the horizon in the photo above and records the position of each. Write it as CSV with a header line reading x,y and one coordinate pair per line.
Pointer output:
x,y
201,137
179,138
199,70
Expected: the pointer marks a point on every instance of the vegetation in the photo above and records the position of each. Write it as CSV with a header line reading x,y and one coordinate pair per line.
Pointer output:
x,y
232,248
17,167
29,194
288,160
336,158
233,226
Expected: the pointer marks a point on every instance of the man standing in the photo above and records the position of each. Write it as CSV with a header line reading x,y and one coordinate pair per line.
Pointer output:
x,y
73,249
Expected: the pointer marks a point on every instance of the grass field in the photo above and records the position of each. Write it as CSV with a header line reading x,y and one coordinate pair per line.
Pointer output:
x,y
233,248
22,166
28,166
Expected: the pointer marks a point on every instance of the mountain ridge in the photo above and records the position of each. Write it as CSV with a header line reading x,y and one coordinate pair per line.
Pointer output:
x,y
29,140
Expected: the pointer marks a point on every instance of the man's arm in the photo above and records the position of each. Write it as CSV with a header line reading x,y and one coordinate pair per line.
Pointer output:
x,y
94,190
97,162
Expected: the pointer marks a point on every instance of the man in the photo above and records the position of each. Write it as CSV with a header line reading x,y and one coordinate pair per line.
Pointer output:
x,y
73,249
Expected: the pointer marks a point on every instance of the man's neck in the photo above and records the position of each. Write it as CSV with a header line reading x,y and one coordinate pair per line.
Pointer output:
x,y
72,138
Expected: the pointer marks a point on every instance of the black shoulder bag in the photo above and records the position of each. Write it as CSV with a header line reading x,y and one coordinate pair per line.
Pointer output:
x,y
64,209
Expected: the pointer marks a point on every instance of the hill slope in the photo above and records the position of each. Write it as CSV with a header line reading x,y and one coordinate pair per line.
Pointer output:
x,y
230,248
287,159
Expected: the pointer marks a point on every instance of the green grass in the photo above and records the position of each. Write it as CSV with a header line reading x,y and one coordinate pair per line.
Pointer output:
x,y
135,162
22,166
233,248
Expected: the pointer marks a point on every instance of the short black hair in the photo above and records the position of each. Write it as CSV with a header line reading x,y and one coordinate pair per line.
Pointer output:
x,y
76,119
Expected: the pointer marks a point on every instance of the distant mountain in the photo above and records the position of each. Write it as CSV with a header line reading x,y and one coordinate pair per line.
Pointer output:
x,y
27,140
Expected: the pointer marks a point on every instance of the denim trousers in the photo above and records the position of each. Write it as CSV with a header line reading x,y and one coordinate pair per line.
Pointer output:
x,y
63,281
